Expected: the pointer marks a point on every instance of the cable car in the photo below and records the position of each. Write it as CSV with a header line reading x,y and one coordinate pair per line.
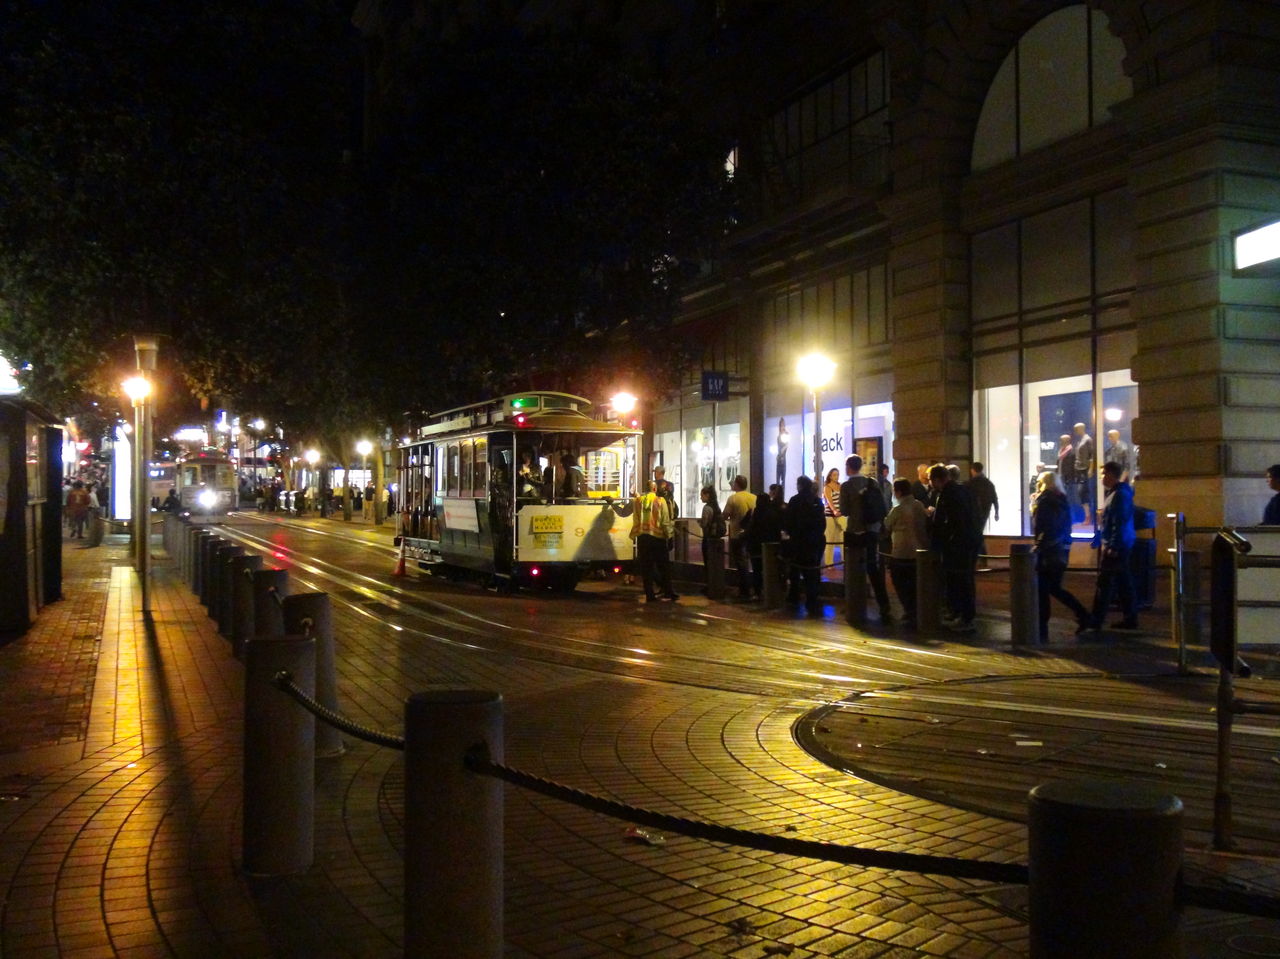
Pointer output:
x,y
528,488
206,483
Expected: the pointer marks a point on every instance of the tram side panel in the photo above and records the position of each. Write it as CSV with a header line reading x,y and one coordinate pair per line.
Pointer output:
x,y
592,534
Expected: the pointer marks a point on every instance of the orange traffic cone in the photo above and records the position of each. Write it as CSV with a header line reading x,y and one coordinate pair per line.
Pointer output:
x,y
400,563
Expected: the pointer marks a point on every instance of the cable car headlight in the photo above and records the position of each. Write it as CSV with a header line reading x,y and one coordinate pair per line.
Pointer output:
x,y
207,498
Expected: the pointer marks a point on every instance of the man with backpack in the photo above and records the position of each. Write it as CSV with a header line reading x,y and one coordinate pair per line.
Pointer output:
x,y
862,506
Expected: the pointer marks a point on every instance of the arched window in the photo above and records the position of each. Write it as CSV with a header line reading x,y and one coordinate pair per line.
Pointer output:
x,y
1062,78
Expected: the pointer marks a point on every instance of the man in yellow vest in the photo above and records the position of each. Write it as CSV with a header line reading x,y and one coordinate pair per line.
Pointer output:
x,y
652,527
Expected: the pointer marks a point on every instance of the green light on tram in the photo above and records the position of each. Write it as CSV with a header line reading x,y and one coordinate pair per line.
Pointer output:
x,y
524,402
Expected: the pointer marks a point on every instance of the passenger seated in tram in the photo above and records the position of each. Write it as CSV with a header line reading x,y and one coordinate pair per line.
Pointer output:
x,y
573,482
528,476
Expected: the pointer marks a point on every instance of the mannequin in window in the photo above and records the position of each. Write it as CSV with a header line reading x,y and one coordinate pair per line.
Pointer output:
x,y
1118,451
1085,464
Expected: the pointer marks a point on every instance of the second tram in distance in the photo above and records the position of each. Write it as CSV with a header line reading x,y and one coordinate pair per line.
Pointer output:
x,y
206,483
528,488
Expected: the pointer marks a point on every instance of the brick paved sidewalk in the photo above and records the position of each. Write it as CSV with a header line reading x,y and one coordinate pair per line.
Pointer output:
x,y
122,837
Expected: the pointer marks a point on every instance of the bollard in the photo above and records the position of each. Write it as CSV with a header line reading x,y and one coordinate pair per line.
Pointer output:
x,y
1192,594
197,560
194,536
243,568
97,529
1024,595
279,758
226,589
1105,859
270,587
928,591
855,581
208,546
222,554
310,614
771,573
715,569
452,827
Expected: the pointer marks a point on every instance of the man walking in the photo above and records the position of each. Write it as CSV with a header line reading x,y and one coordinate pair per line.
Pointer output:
x,y
953,536
1115,537
736,510
985,499
863,517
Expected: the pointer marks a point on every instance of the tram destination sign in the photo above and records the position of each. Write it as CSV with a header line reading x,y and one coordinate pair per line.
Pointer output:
x,y
715,386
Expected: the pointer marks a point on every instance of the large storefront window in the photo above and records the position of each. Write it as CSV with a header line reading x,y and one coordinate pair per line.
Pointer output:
x,y
700,446
788,437
1071,421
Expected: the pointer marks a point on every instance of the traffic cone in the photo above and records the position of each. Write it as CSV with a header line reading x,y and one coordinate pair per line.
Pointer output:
x,y
400,563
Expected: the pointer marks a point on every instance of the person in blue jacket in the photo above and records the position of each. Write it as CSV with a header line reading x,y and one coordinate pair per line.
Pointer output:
x,y
1271,515
1115,538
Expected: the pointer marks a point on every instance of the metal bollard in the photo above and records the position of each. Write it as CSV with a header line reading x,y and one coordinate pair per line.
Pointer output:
x,y
221,556
194,537
208,548
771,573
855,581
1024,602
270,587
197,565
928,591
311,614
453,826
226,588
243,568
97,529
1105,858
715,569
279,758
1192,594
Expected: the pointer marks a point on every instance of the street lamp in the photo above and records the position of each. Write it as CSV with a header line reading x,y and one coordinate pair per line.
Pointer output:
x,y
364,448
815,372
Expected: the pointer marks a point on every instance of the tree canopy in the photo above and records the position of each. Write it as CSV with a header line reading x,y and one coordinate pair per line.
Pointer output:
x,y
525,216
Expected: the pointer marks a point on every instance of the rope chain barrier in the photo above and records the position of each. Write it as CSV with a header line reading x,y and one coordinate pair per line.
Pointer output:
x,y
284,682
478,761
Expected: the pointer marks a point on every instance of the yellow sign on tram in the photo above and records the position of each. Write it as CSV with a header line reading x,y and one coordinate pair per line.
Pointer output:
x,y
548,524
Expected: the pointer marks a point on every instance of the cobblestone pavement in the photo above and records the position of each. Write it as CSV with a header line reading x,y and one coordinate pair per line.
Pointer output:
x,y
121,837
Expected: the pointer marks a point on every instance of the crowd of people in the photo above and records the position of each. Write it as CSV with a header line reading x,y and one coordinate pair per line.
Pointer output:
x,y
82,498
882,525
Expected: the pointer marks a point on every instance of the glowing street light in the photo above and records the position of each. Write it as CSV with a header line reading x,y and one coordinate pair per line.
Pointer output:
x,y
623,403
815,371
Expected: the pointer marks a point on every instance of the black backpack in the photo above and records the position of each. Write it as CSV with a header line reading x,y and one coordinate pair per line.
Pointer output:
x,y
873,508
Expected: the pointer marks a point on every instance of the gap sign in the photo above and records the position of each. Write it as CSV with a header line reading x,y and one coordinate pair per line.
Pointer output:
x,y
715,385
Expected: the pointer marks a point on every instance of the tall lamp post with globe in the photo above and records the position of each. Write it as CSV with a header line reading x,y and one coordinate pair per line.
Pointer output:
x,y
815,372
138,389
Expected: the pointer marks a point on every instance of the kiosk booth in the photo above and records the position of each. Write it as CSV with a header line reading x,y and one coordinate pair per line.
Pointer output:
x,y
30,511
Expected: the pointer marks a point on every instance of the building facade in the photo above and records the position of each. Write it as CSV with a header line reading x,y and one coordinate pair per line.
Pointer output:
x,y
1000,219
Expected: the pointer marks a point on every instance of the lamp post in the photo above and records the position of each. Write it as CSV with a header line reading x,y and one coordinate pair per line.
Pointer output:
x,y
815,372
364,448
624,404
138,389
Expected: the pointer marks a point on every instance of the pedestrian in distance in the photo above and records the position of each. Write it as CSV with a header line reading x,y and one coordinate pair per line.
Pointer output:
x,y
738,510
712,524
762,525
78,501
985,499
908,527
953,535
1114,540
1271,514
1051,525
862,508
806,529
920,489
652,528
831,508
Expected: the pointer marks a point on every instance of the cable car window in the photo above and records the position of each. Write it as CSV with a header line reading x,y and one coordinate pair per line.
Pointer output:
x,y
451,486
441,457
604,473
464,483
480,481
